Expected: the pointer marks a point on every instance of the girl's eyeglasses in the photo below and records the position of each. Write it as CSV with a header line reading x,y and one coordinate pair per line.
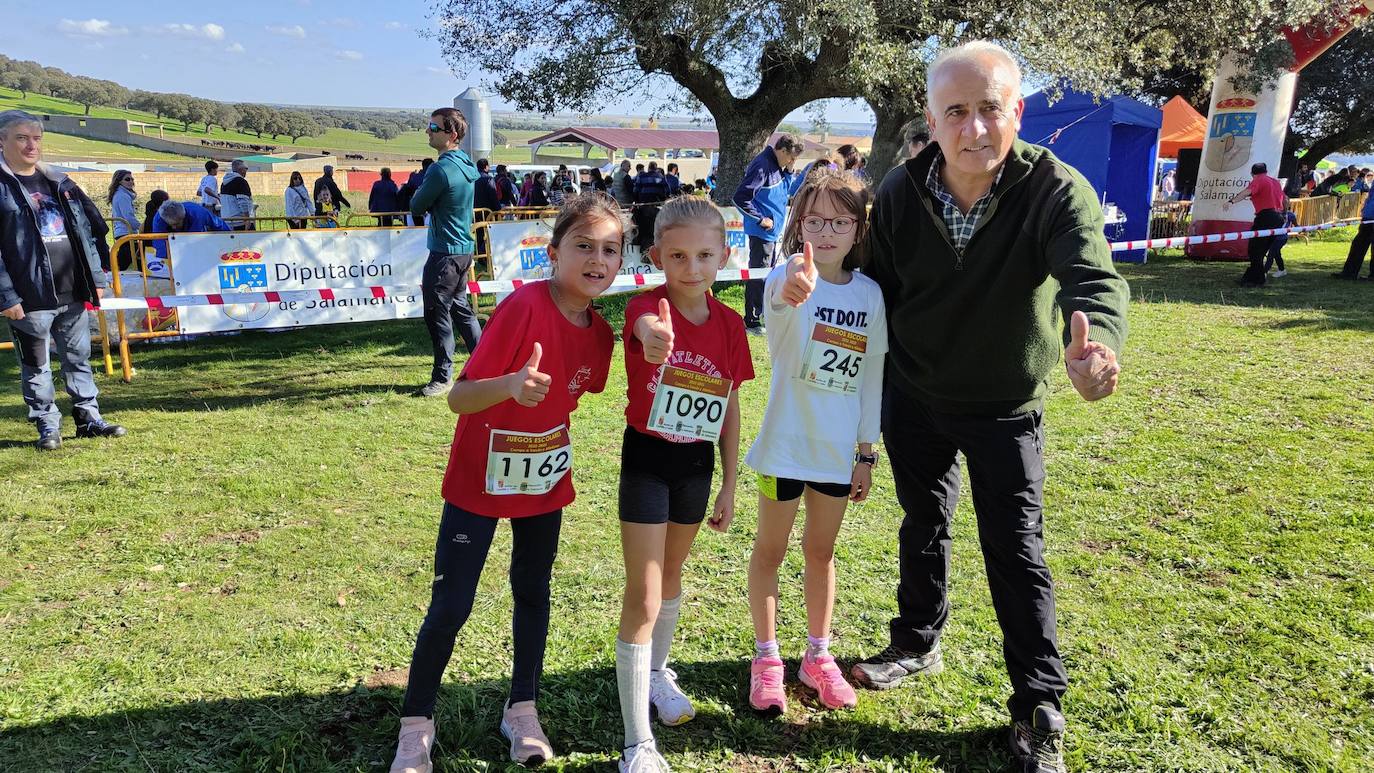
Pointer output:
x,y
840,225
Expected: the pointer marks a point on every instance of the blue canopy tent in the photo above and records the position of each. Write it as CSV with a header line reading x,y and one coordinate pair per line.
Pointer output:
x,y
1112,142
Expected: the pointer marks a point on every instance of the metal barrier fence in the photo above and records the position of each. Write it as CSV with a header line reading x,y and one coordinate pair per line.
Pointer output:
x,y
279,222
1169,219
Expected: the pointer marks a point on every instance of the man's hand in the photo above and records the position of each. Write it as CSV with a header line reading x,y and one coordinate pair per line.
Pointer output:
x,y
766,223
100,293
658,334
1091,365
528,386
801,277
15,312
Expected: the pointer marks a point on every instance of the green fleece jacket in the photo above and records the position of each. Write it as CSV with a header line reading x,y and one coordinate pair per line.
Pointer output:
x,y
983,335
446,194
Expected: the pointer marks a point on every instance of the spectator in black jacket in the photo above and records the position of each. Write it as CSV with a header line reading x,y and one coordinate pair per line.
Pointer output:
x,y
484,192
384,197
327,181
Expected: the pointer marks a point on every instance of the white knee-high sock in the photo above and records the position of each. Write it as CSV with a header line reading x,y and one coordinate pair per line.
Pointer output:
x,y
632,677
665,627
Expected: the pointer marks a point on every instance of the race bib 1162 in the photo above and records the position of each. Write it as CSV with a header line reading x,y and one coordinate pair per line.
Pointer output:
x,y
527,462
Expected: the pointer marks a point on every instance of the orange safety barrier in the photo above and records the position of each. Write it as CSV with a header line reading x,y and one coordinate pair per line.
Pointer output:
x,y
279,222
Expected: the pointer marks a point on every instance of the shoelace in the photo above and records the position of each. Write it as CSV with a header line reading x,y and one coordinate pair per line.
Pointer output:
x,y
526,726
893,653
1046,746
770,678
412,743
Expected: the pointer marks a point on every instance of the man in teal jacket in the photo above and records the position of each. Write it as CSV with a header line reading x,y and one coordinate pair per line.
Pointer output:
x,y
446,196
981,244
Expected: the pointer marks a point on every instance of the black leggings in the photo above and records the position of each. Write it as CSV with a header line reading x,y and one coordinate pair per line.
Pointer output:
x,y
459,555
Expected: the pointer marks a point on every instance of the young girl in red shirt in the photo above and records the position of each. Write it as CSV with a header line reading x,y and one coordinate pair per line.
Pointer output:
x,y
512,459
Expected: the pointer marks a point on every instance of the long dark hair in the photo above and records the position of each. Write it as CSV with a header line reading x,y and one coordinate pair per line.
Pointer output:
x,y
294,177
155,200
118,178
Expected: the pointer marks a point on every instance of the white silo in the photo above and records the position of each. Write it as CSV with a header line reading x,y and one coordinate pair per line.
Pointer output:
x,y
474,107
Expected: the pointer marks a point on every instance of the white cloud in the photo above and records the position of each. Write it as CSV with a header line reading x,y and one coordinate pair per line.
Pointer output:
x,y
438,70
209,31
99,28
396,25
293,31
349,54
236,48
346,22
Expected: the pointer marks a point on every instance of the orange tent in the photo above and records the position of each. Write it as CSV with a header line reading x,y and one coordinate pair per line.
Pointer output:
x,y
1183,127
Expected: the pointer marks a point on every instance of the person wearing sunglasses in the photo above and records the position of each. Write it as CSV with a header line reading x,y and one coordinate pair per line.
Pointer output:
x,y
446,196
120,197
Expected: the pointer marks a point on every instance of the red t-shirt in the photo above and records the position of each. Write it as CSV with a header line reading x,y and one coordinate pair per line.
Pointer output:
x,y
1265,193
522,448
716,347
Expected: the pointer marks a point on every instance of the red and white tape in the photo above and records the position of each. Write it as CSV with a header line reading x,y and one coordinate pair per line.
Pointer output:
x,y
621,281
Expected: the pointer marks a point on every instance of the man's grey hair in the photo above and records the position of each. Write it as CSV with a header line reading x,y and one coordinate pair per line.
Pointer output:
x,y
173,213
14,117
788,143
239,166
971,52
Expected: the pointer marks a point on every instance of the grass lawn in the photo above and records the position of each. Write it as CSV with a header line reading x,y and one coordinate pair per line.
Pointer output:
x,y
412,142
65,146
236,585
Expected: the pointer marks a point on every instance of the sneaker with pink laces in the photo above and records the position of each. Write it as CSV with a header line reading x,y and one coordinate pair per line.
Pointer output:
x,y
412,746
520,726
822,675
765,686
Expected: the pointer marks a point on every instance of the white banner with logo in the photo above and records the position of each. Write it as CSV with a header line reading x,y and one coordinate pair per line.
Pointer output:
x,y
519,249
271,261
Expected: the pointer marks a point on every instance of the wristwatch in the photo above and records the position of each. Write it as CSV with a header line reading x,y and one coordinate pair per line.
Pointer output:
x,y
869,459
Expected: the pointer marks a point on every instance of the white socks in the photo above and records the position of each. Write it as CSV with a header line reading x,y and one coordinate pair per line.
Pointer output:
x,y
665,627
766,649
817,646
632,677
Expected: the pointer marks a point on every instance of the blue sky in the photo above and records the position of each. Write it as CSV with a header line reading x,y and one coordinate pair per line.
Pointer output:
x,y
308,52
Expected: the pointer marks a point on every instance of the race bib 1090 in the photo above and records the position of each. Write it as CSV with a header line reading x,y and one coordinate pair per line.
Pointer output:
x,y
689,404
527,462
833,358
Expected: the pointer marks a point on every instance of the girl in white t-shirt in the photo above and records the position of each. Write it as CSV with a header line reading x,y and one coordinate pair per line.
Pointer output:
x,y
827,332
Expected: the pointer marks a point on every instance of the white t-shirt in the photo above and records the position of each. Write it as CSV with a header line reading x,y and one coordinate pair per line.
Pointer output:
x,y
208,201
839,336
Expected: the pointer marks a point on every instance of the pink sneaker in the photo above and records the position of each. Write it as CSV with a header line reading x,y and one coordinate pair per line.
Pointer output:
x,y
765,686
823,676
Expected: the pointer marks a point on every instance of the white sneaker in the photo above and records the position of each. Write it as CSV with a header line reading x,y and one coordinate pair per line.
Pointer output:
x,y
643,758
1278,274
412,746
672,706
520,726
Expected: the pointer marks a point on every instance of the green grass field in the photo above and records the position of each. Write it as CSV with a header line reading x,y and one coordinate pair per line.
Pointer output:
x,y
409,143
236,585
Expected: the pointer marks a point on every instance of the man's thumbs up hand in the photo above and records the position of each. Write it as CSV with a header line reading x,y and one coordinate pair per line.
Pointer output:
x,y
801,277
1091,365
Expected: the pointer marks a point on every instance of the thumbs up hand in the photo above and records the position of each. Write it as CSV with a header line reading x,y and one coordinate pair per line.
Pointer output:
x,y
1091,365
656,333
801,277
528,386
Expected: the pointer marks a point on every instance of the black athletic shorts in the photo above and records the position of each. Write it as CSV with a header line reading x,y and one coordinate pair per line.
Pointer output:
x,y
787,489
662,481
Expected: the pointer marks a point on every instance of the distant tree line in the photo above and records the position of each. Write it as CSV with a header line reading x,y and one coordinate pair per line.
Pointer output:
x,y
28,77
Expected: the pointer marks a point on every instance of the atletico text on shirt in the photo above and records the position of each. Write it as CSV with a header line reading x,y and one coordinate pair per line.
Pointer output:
x,y
689,403
833,358
527,462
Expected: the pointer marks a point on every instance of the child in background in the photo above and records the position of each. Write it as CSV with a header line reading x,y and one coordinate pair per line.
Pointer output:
x,y
685,357
827,331
327,206
512,459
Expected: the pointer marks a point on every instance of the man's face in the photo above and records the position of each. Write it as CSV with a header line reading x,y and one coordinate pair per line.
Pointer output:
x,y
240,169
438,138
787,158
23,144
974,113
